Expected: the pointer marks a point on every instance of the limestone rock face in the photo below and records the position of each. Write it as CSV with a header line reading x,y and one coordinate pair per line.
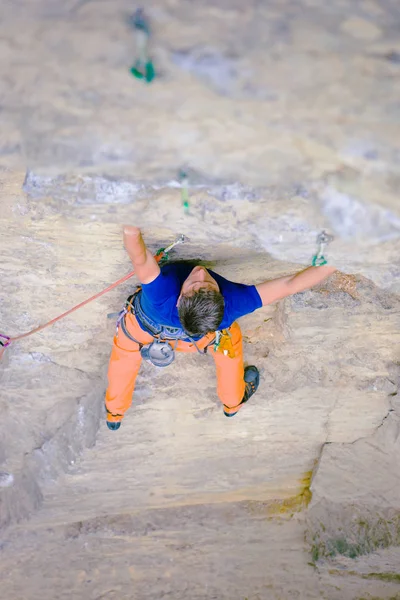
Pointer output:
x,y
284,115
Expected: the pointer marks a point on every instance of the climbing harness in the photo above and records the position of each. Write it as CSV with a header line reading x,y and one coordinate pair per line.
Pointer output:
x,y
161,254
323,239
161,351
184,180
143,67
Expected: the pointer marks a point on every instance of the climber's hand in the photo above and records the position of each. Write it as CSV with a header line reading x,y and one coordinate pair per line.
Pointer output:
x,y
276,289
131,230
144,263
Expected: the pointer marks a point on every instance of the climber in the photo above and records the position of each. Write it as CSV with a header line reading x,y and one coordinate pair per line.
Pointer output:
x,y
188,309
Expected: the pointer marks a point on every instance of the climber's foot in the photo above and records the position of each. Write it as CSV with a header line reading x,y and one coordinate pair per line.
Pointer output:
x,y
252,381
113,425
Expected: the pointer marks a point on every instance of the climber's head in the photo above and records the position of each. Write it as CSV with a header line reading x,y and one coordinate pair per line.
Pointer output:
x,y
201,304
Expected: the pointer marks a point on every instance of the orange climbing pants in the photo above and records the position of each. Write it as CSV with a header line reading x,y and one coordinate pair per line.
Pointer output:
x,y
126,359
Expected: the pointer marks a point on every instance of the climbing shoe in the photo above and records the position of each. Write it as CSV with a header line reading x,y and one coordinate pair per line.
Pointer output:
x,y
252,380
113,425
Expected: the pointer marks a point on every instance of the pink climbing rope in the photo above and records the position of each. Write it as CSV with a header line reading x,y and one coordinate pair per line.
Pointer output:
x,y
161,254
9,340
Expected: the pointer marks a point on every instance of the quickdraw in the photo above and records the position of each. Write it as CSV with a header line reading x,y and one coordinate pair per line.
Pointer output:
x,y
323,239
184,180
143,67
162,255
223,343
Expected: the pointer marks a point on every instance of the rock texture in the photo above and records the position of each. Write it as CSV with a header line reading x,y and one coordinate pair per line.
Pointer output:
x,y
285,116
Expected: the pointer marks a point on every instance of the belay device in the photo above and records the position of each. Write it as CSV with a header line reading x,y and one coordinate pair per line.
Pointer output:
x,y
160,353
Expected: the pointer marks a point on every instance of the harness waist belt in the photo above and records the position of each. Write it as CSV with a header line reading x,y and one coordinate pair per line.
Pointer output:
x,y
152,327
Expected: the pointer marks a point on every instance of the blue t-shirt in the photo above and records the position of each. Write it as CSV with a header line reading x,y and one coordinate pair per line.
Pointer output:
x,y
159,297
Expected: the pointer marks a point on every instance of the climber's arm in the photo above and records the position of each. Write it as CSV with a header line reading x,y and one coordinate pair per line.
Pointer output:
x,y
144,263
279,288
